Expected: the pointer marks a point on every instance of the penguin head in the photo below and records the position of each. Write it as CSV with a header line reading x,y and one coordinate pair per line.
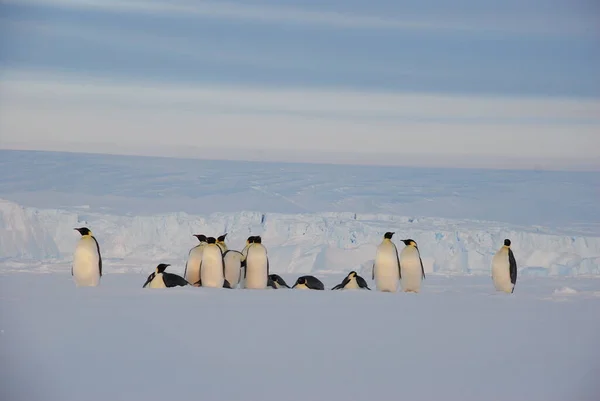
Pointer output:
x,y
201,237
388,235
507,242
162,267
250,240
352,274
409,242
301,280
222,238
83,231
211,240
257,239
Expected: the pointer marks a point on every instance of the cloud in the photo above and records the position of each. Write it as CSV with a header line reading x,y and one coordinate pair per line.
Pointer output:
x,y
545,24
47,110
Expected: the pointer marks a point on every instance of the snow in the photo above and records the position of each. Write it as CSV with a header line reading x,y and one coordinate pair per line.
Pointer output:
x,y
457,339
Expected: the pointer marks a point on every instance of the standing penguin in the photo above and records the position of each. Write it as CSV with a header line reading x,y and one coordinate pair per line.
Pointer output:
x,y
411,267
160,279
308,283
233,267
221,243
256,273
351,282
212,273
194,262
504,269
278,281
87,261
386,268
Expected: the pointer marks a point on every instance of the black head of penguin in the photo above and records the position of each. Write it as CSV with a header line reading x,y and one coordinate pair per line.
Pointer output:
x,y
250,239
409,242
211,240
83,230
352,274
257,239
301,280
162,267
507,242
201,237
388,235
222,238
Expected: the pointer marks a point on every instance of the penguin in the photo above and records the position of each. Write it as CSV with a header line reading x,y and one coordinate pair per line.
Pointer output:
x,y
87,260
221,243
352,282
411,267
504,269
278,281
160,279
212,273
308,283
233,267
386,268
194,262
256,272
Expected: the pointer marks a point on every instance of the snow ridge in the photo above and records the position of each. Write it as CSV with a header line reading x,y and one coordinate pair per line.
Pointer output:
x,y
298,243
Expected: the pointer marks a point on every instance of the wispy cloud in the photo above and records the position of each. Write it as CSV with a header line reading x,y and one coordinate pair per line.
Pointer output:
x,y
546,24
39,107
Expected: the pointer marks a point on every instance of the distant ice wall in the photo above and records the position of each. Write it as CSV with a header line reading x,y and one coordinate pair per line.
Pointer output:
x,y
299,243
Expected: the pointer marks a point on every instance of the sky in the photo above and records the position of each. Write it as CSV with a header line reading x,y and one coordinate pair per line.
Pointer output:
x,y
467,83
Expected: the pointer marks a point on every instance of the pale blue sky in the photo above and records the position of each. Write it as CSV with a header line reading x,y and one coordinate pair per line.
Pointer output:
x,y
488,79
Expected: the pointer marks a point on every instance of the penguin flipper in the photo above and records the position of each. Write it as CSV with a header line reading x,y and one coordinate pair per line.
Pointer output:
x,y
267,266
398,259
342,284
271,283
512,267
373,272
71,270
99,255
226,284
150,277
362,283
198,283
422,269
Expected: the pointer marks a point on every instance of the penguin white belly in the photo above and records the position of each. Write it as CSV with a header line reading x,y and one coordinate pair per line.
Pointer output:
x,y
192,272
302,287
256,268
352,285
386,270
86,262
157,282
411,270
233,268
212,267
501,271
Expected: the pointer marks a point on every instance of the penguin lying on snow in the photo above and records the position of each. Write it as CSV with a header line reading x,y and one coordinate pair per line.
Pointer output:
x,y
352,281
278,281
309,283
160,279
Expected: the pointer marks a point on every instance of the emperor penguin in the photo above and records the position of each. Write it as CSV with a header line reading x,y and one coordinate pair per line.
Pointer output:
x,y
256,272
351,282
194,262
278,281
308,283
87,261
233,267
504,269
212,273
386,268
411,267
221,243
160,279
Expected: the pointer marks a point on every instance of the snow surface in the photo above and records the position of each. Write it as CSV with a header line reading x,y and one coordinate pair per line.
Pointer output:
x,y
456,340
